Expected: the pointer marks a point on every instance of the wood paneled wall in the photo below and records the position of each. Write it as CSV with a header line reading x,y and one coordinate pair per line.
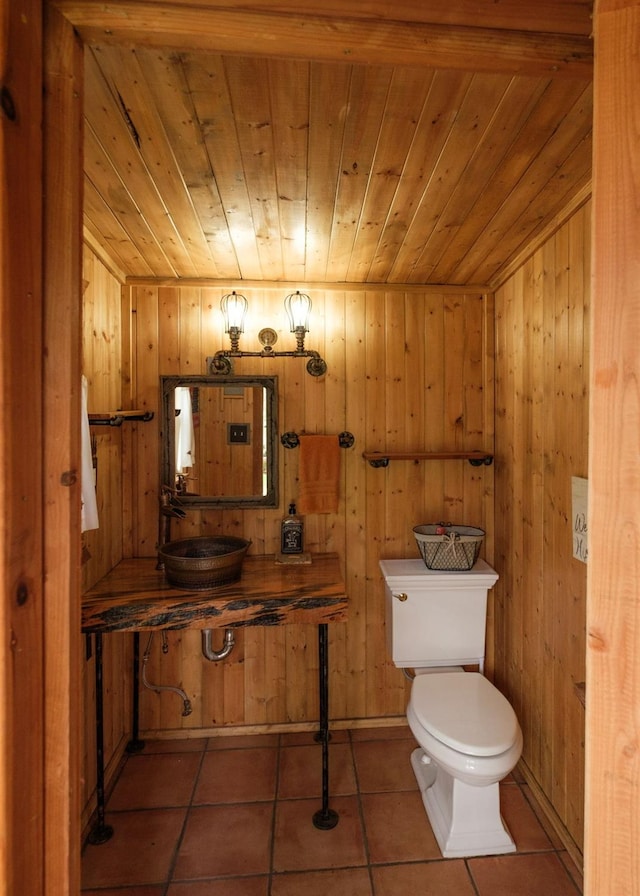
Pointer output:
x,y
406,370
103,547
542,370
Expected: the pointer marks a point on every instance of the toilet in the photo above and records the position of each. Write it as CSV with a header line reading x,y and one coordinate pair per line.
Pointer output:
x,y
468,733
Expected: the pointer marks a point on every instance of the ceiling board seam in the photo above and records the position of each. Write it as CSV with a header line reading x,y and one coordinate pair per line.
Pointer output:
x,y
134,204
517,261
284,286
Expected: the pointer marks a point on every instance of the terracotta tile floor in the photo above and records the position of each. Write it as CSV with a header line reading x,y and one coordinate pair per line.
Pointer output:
x,y
232,817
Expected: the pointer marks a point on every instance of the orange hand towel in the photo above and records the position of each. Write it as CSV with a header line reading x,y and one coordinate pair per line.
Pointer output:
x,y
319,474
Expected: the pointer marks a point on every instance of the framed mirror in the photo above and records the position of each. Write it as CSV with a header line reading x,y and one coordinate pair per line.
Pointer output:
x,y
219,440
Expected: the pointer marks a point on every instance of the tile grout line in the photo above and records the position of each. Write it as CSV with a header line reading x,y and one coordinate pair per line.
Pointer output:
x,y
365,839
529,798
471,877
274,817
180,838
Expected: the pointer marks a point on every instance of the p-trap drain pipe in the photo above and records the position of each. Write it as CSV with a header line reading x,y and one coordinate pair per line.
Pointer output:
x,y
212,655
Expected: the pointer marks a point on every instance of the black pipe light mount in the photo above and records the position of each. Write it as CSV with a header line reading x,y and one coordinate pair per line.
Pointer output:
x,y
234,309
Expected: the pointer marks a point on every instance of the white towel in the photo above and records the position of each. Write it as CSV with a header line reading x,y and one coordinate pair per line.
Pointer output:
x,y
89,510
185,437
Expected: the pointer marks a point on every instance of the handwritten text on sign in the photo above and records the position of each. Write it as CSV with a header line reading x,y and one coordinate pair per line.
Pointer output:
x,y
579,495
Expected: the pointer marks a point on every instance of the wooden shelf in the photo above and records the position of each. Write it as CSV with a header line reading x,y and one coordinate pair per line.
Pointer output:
x,y
382,458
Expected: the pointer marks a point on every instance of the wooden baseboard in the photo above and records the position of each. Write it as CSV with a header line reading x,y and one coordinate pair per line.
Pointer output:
x,y
284,728
110,776
552,816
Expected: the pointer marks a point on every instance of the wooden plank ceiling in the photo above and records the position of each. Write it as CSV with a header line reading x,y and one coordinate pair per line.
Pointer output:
x,y
436,166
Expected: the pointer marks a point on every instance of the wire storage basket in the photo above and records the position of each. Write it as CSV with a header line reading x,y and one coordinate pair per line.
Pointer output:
x,y
447,547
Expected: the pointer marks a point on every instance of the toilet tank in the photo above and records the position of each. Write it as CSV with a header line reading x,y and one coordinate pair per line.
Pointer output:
x,y
435,618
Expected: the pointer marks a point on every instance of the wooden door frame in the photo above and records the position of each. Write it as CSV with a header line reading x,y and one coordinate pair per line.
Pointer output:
x,y
40,304
62,370
612,791
22,736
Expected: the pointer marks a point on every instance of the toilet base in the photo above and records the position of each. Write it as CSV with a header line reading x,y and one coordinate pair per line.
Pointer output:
x,y
465,819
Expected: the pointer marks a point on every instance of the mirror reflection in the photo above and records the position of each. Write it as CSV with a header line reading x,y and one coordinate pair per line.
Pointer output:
x,y
219,440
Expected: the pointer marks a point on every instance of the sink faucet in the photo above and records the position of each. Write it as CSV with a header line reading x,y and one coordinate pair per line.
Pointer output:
x,y
169,509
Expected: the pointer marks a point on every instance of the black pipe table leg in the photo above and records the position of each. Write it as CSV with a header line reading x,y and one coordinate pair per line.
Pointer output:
x,y
325,818
100,832
135,745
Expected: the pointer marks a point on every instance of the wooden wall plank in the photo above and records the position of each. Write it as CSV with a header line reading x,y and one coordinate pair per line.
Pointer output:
x,y
534,667
104,340
579,293
553,16
553,358
488,443
542,316
354,498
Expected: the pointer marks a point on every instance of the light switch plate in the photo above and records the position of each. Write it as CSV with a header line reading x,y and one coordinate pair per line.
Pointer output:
x,y
238,434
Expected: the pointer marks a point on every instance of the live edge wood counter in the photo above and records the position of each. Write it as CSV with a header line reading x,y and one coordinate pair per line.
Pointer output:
x,y
135,597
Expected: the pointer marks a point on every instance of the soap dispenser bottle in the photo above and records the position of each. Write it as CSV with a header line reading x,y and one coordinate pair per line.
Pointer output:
x,y
291,538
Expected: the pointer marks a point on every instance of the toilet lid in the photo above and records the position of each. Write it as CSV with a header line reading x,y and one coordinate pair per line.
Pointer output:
x,y
464,711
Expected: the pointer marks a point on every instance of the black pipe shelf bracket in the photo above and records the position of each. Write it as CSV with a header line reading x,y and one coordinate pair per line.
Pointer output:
x,y
382,458
117,418
292,439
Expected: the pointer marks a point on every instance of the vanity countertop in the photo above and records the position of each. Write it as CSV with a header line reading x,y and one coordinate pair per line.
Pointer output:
x,y
135,596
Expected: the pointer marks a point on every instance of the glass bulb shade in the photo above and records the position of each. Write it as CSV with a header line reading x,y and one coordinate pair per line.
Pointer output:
x,y
298,305
234,308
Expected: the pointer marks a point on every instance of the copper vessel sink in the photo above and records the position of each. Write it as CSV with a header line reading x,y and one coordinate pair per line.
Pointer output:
x,y
207,561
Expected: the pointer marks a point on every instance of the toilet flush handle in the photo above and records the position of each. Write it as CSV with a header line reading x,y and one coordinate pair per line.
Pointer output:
x,y
402,596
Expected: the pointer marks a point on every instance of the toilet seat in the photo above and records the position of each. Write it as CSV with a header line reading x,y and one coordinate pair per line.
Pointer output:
x,y
465,712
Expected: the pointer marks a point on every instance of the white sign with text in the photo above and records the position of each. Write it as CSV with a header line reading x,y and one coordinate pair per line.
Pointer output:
x,y
579,496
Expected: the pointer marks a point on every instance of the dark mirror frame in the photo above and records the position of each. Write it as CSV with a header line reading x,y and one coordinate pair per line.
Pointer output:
x,y
167,440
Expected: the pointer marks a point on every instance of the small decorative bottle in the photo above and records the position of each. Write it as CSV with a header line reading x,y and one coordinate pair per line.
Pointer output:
x,y
291,540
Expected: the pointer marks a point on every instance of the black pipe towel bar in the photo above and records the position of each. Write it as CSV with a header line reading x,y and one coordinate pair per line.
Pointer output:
x,y
292,439
118,418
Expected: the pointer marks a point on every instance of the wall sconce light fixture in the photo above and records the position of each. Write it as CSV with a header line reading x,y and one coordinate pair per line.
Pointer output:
x,y
234,308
